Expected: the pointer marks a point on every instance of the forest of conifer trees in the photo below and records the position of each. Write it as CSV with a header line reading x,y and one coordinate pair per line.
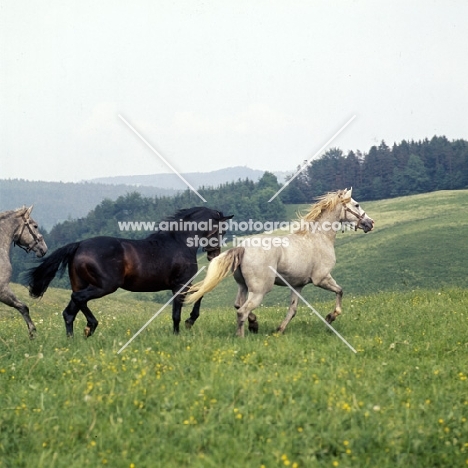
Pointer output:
x,y
386,172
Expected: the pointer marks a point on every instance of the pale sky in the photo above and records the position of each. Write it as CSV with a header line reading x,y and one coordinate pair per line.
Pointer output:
x,y
214,84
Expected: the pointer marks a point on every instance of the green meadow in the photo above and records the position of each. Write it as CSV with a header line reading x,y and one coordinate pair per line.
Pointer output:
x,y
208,399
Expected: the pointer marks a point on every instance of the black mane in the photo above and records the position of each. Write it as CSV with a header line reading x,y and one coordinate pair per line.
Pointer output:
x,y
186,214
196,213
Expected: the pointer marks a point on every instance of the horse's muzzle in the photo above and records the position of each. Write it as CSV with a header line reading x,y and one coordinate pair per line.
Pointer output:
x,y
212,253
40,249
367,224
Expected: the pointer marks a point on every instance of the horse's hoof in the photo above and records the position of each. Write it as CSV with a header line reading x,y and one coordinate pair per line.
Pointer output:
x,y
188,324
253,324
87,332
330,318
240,334
253,327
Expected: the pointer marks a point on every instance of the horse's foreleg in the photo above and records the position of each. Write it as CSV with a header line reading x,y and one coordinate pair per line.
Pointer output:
x,y
330,284
7,296
194,314
177,312
291,311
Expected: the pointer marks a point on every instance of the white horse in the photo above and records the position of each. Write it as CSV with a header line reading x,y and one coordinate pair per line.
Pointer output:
x,y
305,256
18,227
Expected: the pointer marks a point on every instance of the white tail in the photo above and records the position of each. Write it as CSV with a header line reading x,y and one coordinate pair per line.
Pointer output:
x,y
219,268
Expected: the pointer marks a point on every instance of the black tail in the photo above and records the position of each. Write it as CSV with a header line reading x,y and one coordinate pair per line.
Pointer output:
x,y
40,277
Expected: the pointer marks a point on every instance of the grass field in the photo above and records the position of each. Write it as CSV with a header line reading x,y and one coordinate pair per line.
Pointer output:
x,y
208,399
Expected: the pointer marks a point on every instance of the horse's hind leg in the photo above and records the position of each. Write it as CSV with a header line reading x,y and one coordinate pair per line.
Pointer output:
x,y
69,315
241,295
240,301
81,298
92,322
244,312
291,311
7,296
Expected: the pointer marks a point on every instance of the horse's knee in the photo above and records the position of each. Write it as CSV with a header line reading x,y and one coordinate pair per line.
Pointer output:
x,y
241,317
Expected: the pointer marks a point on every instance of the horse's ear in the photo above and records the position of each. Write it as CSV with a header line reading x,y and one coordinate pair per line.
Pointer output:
x,y
227,217
28,211
347,194
23,211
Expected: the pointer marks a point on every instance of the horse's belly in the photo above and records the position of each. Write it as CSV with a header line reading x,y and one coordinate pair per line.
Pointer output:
x,y
139,284
294,281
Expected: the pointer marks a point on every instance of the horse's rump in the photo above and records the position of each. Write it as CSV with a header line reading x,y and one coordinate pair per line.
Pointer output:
x,y
219,268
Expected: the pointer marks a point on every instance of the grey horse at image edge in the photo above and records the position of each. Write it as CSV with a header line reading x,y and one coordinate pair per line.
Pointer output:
x,y
17,227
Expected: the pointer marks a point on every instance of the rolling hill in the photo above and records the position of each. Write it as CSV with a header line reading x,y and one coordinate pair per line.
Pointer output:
x,y
171,181
55,202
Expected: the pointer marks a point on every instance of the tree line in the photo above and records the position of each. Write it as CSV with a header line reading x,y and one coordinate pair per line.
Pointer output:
x,y
244,199
406,168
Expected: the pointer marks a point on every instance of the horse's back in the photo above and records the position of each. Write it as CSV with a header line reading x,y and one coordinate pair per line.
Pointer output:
x,y
99,249
297,258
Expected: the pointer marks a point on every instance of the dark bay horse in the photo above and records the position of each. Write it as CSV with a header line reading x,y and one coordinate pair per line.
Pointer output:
x,y
166,260
302,257
17,227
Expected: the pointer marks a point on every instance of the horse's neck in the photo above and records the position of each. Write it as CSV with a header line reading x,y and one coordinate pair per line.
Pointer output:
x,y
8,228
155,241
326,224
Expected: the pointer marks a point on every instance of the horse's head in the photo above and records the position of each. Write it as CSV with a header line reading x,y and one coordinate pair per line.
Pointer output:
x,y
215,236
27,236
352,212
204,224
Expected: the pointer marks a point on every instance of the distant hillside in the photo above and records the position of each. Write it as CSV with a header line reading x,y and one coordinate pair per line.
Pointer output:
x,y
196,179
55,202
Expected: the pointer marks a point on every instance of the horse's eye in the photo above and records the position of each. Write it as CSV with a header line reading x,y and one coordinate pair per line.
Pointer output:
x,y
357,205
